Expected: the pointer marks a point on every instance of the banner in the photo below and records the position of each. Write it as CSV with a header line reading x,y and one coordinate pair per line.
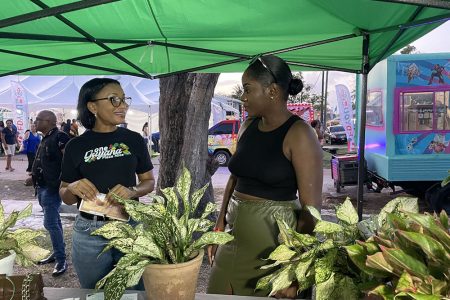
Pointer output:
x,y
20,111
344,102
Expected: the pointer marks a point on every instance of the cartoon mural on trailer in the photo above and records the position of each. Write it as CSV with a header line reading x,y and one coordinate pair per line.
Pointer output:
x,y
423,143
423,72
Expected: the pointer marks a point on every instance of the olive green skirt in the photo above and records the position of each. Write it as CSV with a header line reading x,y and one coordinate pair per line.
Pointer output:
x,y
237,264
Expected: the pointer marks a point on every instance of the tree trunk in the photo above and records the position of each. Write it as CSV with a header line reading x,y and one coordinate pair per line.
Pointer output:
x,y
184,111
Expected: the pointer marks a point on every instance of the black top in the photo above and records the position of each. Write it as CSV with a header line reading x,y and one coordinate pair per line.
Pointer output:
x,y
261,168
106,159
47,165
10,135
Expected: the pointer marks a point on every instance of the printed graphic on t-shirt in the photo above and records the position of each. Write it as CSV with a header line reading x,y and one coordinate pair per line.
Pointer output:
x,y
107,152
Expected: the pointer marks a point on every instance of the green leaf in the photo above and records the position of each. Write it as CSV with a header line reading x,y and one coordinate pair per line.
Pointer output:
x,y
2,215
210,207
115,285
284,235
183,185
377,265
445,181
325,289
444,219
135,272
34,252
128,260
264,282
314,212
303,266
347,213
146,247
346,289
384,291
26,212
282,280
10,221
325,227
171,200
399,259
400,203
124,245
197,196
212,238
324,246
25,235
323,266
405,283
282,252
115,229
305,240
368,227
430,246
437,231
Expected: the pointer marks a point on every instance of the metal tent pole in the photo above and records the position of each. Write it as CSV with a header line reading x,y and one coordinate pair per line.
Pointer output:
x,y
362,130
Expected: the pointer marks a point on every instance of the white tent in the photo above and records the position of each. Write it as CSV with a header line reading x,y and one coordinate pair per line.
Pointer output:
x,y
60,93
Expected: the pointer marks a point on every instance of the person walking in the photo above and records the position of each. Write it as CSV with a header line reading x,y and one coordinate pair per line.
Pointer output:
x,y
46,171
30,144
105,159
9,141
146,134
276,168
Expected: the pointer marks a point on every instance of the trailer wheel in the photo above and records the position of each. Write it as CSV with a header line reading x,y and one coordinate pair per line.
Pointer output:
x,y
222,157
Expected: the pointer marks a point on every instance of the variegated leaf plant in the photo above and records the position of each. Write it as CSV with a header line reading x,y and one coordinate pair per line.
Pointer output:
x,y
410,257
22,241
164,235
321,259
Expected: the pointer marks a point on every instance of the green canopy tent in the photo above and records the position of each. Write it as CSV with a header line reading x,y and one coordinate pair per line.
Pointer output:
x,y
156,38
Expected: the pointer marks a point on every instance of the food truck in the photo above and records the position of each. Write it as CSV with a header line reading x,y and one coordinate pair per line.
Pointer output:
x,y
408,122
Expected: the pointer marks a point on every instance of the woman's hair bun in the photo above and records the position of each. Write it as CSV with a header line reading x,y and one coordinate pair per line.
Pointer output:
x,y
295,86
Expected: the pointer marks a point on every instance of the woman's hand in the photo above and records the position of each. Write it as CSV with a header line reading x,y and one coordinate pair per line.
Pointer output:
x,y
84,189
289,292
211,249
121,191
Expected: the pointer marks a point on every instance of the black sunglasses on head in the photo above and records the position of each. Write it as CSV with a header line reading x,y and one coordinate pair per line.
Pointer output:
x,y
259,58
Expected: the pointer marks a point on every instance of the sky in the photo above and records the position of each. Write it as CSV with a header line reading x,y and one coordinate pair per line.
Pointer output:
x,y
435,41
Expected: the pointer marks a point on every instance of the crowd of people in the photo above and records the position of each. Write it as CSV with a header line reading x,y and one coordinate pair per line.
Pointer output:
x,y
276,170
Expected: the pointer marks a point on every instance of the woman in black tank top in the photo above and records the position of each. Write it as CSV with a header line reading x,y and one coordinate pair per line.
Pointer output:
x,y
277,157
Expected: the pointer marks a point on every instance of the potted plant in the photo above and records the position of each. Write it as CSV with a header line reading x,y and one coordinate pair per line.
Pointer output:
x,y
161,248
18,245
411,254
321,260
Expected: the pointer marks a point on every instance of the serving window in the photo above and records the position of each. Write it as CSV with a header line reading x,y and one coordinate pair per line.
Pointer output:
x,y
424,111
374,111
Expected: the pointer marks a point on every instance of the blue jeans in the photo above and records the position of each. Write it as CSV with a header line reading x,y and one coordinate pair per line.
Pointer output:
x,y
50,202
91,267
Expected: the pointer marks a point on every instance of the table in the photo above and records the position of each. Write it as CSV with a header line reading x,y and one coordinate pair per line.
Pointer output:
x,y
62,293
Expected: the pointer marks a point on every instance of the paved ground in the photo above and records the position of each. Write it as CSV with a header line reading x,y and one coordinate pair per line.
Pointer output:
x,y
14,195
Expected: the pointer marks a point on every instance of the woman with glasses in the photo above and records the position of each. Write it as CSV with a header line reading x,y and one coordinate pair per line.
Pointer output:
x,y
103,161
277,167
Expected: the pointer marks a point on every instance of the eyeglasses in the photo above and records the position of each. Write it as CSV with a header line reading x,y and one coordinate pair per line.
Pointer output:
x,y
258,58
116,100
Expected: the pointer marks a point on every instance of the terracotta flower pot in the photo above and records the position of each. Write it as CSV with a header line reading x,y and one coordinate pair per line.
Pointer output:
x,y
172,281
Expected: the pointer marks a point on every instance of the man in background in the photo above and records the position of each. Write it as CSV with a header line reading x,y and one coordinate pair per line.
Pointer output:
x,y
9,141
45,172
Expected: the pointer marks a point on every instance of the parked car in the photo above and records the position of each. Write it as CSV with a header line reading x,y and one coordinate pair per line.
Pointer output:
x,y
335,135
222,139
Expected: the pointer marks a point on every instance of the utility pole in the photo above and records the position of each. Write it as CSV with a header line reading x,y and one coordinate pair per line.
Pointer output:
x,y
321,98
324,120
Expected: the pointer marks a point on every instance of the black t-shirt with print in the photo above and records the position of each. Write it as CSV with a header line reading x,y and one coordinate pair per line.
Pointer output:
x,y
106,159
